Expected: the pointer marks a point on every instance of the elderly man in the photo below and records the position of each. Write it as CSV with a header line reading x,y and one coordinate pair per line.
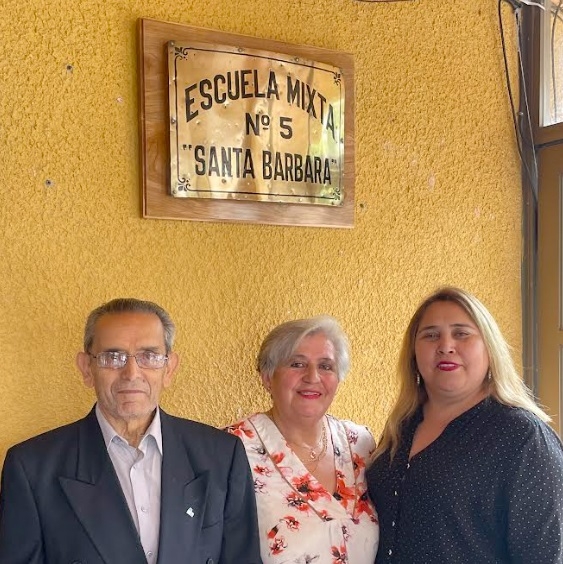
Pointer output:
x,y
128,484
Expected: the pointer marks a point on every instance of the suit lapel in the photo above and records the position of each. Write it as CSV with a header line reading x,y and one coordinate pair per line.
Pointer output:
x,y
184,497
96,497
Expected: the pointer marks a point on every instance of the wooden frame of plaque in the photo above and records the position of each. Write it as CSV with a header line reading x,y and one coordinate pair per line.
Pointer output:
x,y
155,41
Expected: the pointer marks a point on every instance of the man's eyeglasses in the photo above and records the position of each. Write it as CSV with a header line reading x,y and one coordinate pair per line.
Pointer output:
x,y
118,359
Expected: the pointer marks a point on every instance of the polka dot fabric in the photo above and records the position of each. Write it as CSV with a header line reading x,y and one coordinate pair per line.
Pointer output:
x,y
488,490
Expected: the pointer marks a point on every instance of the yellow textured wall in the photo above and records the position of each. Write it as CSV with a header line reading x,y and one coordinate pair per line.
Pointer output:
x,y
437,201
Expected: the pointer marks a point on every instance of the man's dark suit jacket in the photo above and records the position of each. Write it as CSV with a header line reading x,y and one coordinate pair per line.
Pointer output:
x,y
61,502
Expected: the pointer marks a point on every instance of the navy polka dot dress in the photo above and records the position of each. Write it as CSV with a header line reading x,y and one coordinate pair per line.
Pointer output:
x,y
489,489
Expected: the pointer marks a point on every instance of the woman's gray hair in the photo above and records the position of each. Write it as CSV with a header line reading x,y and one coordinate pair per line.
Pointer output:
x,y
129,305
280,344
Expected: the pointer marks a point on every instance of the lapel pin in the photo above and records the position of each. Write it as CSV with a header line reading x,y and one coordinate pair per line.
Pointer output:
x,y
190,512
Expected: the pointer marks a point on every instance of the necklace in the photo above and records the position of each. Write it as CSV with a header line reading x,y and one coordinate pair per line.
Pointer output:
x,y
314,454
315,457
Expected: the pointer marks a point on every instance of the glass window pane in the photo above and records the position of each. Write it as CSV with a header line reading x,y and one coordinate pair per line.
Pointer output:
x,y
552,63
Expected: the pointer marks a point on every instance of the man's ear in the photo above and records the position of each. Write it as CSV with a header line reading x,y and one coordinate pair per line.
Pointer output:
x,y
171,367
84,365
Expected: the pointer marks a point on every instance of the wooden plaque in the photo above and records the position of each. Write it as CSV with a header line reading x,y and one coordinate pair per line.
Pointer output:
x,y
154,119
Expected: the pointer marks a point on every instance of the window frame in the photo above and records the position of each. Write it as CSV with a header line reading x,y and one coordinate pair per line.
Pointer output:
x,y
542,136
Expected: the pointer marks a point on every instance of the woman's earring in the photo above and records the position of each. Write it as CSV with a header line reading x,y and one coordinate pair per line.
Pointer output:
x,y
489,375
418,378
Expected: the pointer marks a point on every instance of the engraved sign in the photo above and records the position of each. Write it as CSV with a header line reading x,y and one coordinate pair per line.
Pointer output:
x,y
247,124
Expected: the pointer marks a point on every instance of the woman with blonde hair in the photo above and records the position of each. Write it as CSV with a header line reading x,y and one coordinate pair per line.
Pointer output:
x,y
467,470
308,467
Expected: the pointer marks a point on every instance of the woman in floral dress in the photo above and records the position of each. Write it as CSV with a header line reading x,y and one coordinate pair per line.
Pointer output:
x,y
308,467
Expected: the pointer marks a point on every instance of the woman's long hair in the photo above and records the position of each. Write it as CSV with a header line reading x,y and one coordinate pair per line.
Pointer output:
x,y
505,384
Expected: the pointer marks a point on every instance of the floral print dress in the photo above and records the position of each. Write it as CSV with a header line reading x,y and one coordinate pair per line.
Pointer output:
x,y
301,522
